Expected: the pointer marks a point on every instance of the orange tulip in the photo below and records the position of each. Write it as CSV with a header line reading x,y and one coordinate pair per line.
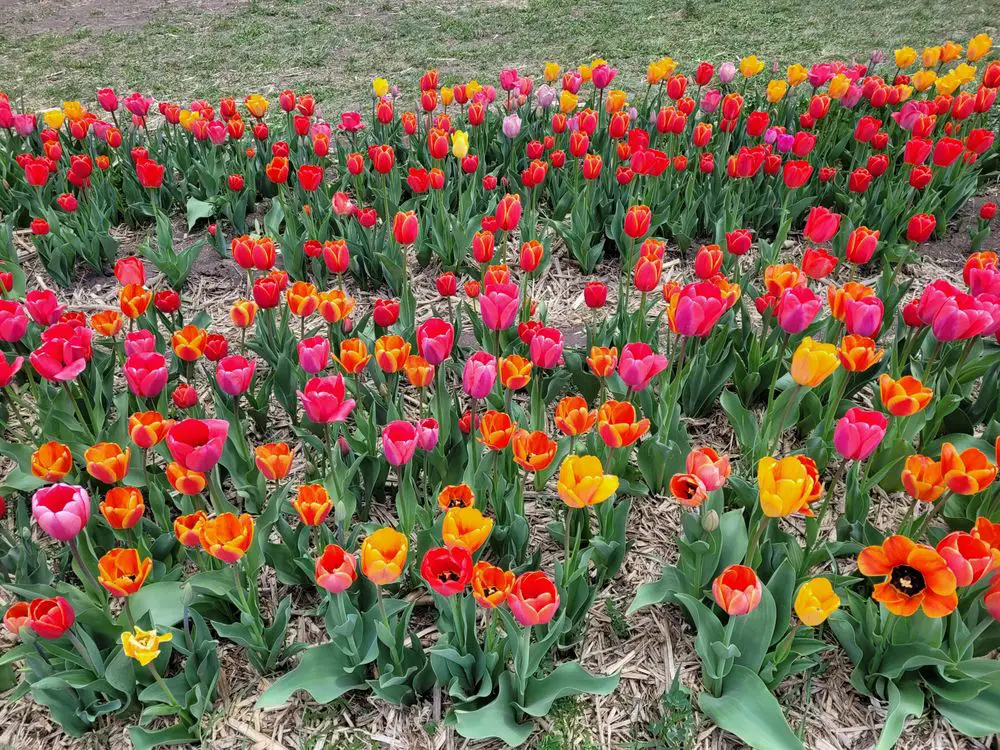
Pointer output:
x,y
133,299
418,371
313,504
617,424
354,356
335,305
456,496
107,323
905,396
465,527
185,481
273,460
533,451
107,462
837,296
813,362
122,572
391,353
497,429
688,490
490,584
573,416
603,360
187,528
189,343
226,537
779,278
243,312
51,462
148,428
858,353
916,577
123,507
383,556
515,371
922,478
303,299
968,472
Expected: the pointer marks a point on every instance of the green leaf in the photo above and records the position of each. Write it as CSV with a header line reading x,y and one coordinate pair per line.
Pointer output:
x,y
747,709
164,601
671,582
495,719
905,699
569,678
322,671
145,739
197,209
979,716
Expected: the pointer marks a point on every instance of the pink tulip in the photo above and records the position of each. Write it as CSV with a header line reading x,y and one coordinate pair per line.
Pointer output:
x,y
197,444
399,442
139,342
58,361
428,432
797,308
638,365
61,510
479,375
13,321
706,464
43,306
858,433
314,354
435,338
959,318
984,280
935,294
9,370
234,374
324,399
546,348
863,317
697,308
499,304
146,374
968,557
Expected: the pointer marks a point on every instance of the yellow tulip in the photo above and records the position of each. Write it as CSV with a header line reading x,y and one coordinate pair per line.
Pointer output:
x,y
839,86
54,118
948,83
143,645
750,66
460,144
582,481
978,46
815,602
616,101
786,486
187,117
472,88
776,91
256,105
447,95
655,72
383,555
584,71
905,57
380,87
567,101
905,92
465,527
930,57
813,362
923,79
551,71
797,74
74,111
964,72
950,51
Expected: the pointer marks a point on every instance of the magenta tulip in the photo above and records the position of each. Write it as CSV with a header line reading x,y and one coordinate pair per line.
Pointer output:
x,y
479,375
196,444
399,442
499,304
638,365
146,374
234,374
314,354
61,510
324,399
858,433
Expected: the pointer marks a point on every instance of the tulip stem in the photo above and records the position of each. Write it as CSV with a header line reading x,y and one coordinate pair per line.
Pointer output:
x,y
166,689
85,571
82,651
76,406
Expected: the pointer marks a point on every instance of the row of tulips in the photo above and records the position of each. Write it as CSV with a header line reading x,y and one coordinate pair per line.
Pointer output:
x,y
479,462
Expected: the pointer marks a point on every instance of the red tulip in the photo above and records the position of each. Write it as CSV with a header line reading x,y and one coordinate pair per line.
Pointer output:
x,y
196,444
447,571
50,618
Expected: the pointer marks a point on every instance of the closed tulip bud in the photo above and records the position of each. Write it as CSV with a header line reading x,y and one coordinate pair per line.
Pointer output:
x,y
737,590
813,362
815,602
595,294
920,227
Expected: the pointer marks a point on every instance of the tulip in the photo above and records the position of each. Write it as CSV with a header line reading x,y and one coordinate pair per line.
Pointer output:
x,y
788,485
496,430
51,462
383,556
313,504
858,353
43,306
582,481
234,374
821,225
314,354
815,602
966,473
861,245
858,433
533,599
456,496
920,227
399,442
573,417
479,375
122,572
435,338
688,490
122,507
391,353
146,373
336,570
143,645
50,618
711,469
428,433
58,361
514,371
546,348
61,510
695,309
796,308
915,577
905,396
465,527
273,460
17,616
226,537
637,221
813,362
196,444
13,321
638,365
618,426
107,462
968,557
324,399
491,585
922,478
499,305
737,590
533,451
603,361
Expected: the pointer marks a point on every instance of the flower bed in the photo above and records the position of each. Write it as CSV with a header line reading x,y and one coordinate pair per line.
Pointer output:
x,y
150,495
